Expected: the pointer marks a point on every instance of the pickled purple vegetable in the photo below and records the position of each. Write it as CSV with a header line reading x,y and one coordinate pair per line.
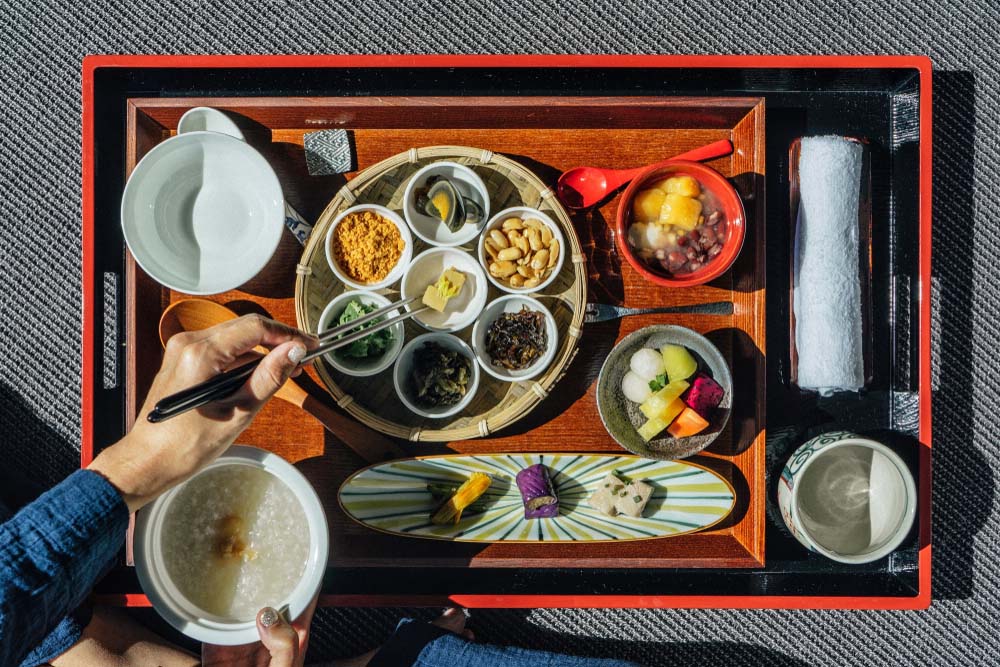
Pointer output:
x,y
537,493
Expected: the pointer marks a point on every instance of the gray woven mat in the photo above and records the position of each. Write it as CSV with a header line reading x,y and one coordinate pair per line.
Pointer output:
x,y
43,44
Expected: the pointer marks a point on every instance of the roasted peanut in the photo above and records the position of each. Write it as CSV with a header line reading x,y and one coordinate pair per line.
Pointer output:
x,y
508,254
524,271
491,249
502,269
531,282
540,260
534,223
522,243
517,280
535,239
546,235
512,223
553,253
499,239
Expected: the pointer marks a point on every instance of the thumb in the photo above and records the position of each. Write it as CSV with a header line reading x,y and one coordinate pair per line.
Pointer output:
x,y
272,372
279,638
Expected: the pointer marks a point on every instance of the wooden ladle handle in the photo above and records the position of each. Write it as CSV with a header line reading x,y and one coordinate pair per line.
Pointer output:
x,y
369,444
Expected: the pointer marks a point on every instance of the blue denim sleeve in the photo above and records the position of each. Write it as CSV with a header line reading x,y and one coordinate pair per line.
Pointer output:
x,y
52,552
450,650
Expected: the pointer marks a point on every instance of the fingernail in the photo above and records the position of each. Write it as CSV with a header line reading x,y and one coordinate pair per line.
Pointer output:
x,y
269,616
296,353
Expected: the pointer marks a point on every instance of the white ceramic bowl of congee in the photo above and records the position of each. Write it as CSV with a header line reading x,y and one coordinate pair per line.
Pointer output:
x,y
248,531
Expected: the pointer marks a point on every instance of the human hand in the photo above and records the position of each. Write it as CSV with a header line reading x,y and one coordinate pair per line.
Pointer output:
x,y
154,457
282,644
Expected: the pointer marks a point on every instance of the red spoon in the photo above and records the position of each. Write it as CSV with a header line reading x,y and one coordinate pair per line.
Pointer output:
x,y
583,187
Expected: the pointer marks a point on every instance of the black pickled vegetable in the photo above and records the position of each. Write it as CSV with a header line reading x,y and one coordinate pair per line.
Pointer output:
x,y
516,340
440,376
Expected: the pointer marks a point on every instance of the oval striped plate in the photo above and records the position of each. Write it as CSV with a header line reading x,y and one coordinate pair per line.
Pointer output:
x,y
392,497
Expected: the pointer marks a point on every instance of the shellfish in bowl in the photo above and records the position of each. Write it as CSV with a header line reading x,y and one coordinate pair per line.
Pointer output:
x,y
439,198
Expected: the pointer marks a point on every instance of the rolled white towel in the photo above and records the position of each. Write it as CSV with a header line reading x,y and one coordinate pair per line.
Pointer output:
x,y
827,288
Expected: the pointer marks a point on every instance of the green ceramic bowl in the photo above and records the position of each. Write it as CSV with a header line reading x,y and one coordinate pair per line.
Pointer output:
x,y
622,417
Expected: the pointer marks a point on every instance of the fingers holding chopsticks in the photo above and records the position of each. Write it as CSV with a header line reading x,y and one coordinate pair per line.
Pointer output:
x,y
230,340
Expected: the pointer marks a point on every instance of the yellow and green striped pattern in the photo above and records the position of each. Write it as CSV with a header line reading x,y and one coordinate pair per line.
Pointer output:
x,y
393,498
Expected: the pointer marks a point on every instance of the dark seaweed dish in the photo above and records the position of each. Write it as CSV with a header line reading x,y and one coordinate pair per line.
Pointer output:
x,y
516,340
440,376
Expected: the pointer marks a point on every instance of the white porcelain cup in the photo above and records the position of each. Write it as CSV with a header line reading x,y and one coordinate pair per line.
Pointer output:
x,y
203,211
848,498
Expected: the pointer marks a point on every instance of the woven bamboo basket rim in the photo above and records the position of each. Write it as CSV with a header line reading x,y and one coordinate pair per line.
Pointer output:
x,y
522,397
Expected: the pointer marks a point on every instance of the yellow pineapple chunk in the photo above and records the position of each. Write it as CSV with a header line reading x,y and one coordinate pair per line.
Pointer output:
x,y
686,186
652,428
658,402
647,204
680,211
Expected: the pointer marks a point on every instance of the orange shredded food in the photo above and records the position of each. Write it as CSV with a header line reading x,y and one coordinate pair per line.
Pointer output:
x,y
367,246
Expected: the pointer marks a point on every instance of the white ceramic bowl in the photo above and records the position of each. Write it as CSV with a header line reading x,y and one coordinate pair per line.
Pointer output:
x,y
202,212
512,303
432,230
462,310
181,613
368,366
397,271
523,212
404,364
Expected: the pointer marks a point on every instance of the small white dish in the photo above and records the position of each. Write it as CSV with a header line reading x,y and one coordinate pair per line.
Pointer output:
x,y
202,212
404,365
367,366
462,310
432,230
512,303
404,259
180,612
522,212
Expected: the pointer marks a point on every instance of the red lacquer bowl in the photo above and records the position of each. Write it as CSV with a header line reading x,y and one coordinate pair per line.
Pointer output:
x,y
728,200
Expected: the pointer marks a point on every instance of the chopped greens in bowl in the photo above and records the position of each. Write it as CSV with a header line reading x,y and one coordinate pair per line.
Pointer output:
x,y
373,353
369,346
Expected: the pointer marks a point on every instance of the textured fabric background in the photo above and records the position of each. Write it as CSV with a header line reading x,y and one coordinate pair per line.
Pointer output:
x,y
43,43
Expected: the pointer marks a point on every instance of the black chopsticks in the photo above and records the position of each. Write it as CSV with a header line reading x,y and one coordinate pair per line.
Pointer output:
x,y
225,384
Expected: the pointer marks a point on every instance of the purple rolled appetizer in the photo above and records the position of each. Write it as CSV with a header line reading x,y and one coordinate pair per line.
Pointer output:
x,y
537,492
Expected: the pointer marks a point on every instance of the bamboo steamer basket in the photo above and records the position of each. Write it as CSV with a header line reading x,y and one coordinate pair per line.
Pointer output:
x,y
372,400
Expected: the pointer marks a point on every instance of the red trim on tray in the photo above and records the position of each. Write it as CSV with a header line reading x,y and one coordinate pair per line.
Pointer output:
x,y
581,601
926,163
87,239
515,61
920,63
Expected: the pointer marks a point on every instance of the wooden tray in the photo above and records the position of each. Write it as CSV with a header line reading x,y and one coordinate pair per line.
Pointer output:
x,y
373,400
548,135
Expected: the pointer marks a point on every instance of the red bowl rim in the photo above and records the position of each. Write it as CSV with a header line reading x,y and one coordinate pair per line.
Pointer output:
x,y
722,187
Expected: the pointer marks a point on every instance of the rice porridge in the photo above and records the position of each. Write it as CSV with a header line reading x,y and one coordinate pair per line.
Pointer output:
x,y
235,539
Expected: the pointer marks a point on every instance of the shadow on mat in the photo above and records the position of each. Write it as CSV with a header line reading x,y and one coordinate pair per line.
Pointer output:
x,y
515,628
342,632
35,457
963,483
